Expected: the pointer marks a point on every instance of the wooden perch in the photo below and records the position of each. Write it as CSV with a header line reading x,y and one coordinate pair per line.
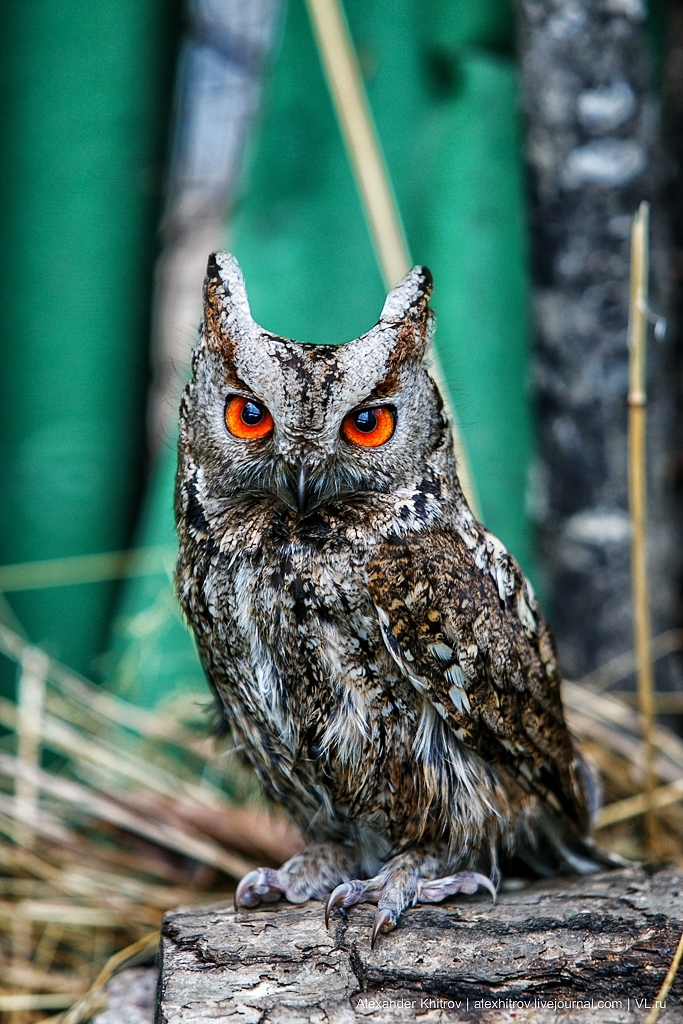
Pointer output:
x,y
607,938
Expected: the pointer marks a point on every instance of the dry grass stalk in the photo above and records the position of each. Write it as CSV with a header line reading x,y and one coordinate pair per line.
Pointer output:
x,y
660,1001
633,806
666,703
344,78
107,810
24,1001
360,136
108,565
28,726
637,398
624,664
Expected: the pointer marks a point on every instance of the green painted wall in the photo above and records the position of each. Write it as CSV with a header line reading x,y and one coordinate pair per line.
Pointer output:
x,y
84,96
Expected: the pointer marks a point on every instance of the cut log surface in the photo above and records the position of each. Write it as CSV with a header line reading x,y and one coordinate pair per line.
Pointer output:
x,y
575,949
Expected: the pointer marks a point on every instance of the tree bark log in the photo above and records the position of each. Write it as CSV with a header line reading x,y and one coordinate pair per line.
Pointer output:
x,y
594,152
603,939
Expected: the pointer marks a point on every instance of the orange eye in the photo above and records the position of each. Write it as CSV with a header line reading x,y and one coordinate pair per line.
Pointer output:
x,y
369,428
248,419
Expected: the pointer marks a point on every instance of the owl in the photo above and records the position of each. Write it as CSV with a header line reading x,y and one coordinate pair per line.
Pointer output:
x,y
377,654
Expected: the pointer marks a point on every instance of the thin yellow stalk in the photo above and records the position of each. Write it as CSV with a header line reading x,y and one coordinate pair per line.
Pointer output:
x,y
634,806
618,668
28,1001
33,978
65,572
30,704
637,399
360,135
372,179
44,954
666,985
668,702
94,998
71,915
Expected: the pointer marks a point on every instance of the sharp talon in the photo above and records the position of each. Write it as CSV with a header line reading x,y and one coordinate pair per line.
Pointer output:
x,y
382,923
336,899
437,889
249,879
486,883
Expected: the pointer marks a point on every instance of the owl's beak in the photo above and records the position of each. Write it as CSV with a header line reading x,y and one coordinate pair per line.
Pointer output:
x,y
303,493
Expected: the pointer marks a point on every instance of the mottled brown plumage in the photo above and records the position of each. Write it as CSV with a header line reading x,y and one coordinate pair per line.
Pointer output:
x,y
378,655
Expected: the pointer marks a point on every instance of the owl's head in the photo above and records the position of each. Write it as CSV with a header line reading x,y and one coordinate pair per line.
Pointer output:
x,y
267,418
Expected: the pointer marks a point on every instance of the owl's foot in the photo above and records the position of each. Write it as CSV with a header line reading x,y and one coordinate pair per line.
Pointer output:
x,y
403,882
309,875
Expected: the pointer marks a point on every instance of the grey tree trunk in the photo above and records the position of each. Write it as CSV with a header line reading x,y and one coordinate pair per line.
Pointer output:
x,y
593,155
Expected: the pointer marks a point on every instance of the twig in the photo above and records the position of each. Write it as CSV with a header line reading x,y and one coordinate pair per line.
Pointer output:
x,y
637,495
666,985
372,179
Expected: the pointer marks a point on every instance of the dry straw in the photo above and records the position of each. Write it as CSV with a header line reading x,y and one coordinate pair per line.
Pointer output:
x,y
124,824
637,399
351,105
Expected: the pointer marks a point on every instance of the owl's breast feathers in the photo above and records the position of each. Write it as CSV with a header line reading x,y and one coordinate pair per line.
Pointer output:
x,y
325,653
472,639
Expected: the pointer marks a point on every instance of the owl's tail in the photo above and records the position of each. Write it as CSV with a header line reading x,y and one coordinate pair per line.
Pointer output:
x,y
552,846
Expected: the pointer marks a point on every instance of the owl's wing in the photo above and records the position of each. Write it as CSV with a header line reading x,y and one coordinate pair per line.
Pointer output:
x,y
466,630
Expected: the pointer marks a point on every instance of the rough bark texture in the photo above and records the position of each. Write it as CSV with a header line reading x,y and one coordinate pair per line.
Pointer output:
x,y
607,938
592,131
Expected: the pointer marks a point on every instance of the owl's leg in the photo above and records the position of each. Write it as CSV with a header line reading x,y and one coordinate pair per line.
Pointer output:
x,y
309,875
404,881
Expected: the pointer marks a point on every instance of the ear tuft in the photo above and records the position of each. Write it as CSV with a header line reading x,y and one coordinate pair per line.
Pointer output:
x,y
226,306
409,299
407,315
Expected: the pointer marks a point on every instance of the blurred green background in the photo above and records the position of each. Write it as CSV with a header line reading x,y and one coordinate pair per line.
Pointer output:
x,y
85,97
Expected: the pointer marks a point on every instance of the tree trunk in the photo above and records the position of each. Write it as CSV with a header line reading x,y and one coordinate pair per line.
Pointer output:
x,y
593,154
